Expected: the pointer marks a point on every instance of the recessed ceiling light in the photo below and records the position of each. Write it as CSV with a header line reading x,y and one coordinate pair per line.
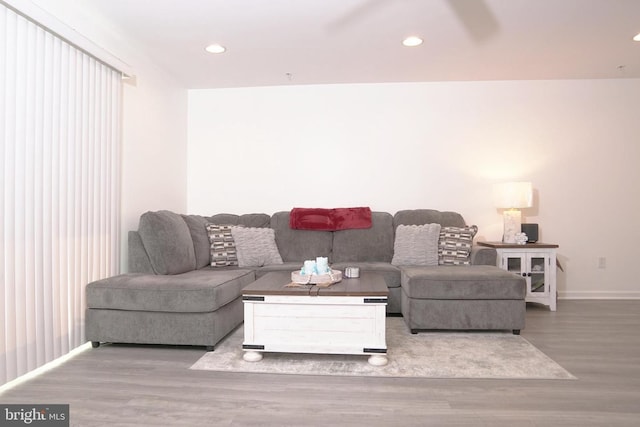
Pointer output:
x,y
215,48
637,37
412,41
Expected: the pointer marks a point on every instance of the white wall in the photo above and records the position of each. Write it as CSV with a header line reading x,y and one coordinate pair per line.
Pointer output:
x,y
154,140
435,145
154,151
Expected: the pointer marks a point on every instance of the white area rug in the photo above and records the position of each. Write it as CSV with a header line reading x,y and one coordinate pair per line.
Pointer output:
x,y
491,355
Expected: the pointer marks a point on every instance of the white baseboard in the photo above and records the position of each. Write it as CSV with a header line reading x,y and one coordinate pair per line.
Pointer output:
x,y
599,295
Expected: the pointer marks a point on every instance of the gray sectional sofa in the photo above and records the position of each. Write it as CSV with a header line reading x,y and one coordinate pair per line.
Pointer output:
x,y
173,296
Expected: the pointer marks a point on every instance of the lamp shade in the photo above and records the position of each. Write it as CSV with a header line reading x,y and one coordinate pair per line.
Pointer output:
x,y
513,195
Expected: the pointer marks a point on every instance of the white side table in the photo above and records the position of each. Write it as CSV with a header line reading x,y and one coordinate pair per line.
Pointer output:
x,y
536,262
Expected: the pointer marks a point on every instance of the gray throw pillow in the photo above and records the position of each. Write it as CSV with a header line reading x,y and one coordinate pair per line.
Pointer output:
x,y
454,245
256,247
416,245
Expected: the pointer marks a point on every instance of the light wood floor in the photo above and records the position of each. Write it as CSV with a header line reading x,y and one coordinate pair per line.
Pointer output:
x,y
597,341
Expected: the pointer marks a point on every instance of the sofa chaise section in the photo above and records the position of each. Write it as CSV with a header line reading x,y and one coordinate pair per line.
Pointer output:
x,y
467,297
193,308
171,296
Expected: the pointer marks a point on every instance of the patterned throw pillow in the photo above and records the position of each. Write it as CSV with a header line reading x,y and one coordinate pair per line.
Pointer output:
x,y
223,247
416,245
256,246
454,246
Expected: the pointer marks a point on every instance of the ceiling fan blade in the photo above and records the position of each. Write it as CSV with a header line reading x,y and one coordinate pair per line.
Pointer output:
x,y
357,13
476,17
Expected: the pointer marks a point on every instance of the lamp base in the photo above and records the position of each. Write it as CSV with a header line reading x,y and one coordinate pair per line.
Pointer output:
x,y
512,223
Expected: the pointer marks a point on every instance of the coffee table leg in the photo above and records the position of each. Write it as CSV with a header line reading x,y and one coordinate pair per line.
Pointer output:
x,y
378,360
252,356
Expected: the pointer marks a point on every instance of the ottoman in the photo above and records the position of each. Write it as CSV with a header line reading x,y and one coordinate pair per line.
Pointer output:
x,y
462,298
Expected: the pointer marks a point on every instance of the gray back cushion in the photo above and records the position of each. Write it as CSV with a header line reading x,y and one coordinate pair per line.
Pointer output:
x,y
197,227
138,259
300,245
427,216
248,220
373,244
168,242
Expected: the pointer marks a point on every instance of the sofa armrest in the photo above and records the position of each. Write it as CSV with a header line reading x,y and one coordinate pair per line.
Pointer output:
x,y
138,259
482,255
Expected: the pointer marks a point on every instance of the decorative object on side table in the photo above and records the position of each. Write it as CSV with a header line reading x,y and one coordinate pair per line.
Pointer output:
x,y
512,196
531,230
521,238
536,262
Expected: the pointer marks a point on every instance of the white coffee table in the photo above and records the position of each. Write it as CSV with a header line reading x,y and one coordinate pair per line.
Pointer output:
x,y
346,318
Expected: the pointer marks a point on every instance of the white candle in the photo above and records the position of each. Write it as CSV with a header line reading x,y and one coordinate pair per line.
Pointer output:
x,y
322,265
309,267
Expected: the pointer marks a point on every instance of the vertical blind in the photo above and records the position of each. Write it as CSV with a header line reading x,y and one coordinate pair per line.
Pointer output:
x,y
60,115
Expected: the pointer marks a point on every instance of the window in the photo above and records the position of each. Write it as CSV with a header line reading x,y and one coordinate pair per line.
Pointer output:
x,y
60,130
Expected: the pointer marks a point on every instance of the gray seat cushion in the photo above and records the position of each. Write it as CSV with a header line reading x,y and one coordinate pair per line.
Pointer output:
x,y
287,266
390,273
475,282
198,291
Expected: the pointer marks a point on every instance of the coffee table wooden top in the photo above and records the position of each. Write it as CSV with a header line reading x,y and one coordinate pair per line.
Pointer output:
x,y
368,284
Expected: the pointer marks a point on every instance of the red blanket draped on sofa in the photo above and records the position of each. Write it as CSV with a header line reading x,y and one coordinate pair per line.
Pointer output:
x,y
329,219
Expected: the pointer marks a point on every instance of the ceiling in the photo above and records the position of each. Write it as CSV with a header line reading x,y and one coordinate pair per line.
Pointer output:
x,y
283,42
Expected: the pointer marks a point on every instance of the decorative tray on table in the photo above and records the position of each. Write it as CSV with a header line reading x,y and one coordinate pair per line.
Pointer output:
x,y
334,276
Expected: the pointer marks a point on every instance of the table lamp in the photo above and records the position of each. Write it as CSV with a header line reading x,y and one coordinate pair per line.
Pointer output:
x,y
512,196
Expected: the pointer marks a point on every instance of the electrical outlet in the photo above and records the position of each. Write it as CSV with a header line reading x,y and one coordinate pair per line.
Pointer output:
x,y
602,263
